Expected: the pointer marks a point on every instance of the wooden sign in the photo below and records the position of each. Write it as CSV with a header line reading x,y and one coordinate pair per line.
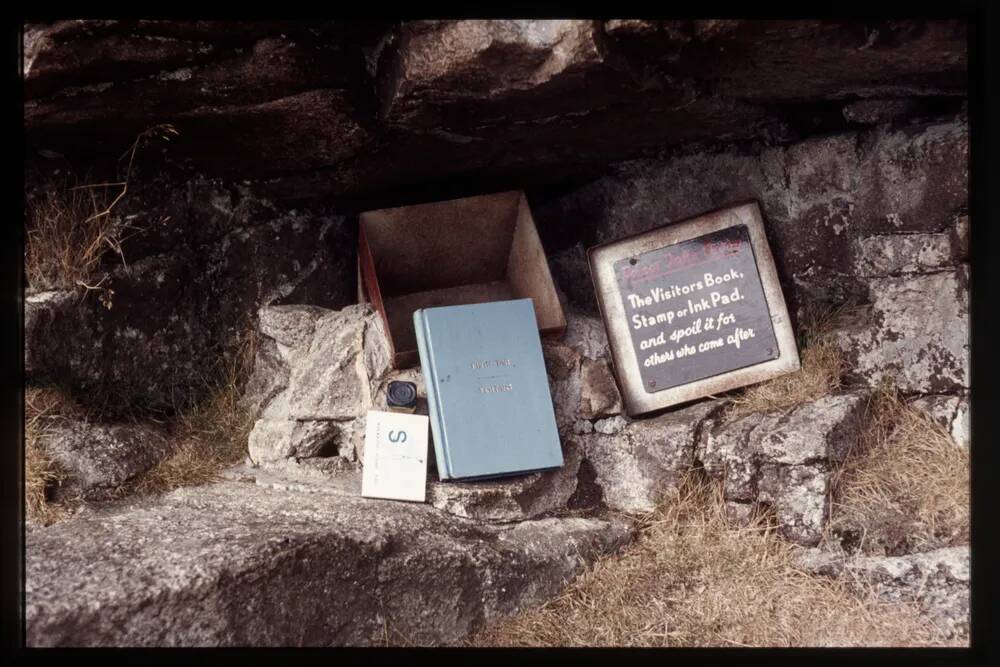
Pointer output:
x,y
693,309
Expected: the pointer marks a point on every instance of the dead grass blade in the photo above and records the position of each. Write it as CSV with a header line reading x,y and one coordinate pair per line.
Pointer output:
x,y
212,433
907,485
68,230
692,579
820,373
42,475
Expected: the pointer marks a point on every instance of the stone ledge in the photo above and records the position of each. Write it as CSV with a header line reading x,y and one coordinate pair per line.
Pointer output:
x,y
237,563
514,499
937,581
784,459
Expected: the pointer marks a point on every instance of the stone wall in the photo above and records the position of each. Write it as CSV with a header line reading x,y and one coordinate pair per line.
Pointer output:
x,y
306,110
852,136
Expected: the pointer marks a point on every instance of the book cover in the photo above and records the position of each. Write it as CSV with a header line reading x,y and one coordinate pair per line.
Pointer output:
x,y
487,391
395,456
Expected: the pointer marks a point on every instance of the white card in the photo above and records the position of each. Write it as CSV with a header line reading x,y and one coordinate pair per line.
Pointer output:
x,y
395,464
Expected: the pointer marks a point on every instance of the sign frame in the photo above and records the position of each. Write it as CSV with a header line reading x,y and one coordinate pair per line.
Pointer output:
x,y
602,259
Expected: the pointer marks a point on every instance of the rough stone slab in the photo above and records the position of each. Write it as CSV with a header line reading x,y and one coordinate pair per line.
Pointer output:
x,y
332,368
561,360
268,379
820,196
951,412
325,475
914,179
559,91
291,326
960,238
888,254
586,334
879,110
611,425
937,581
827,559
436,64
571,272
599,395
45,322
48,62
285,78
512,499
99,458
777,60
236,563
582,383
277,440
202,255
784,459
637,464
330,380
798,494
915,333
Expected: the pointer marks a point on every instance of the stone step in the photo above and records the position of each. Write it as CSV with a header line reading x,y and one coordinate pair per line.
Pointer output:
x,y
937,581
244,563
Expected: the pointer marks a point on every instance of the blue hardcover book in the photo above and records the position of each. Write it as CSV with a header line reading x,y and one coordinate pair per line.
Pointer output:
x,y
487,391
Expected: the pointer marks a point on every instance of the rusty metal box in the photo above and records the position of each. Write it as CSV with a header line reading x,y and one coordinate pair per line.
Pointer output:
x,y
461,251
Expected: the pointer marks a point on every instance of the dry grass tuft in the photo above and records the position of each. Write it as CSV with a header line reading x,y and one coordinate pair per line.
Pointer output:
x,y
691,579
820,373
906,487
67,236
212,433
207,436
42,475
69,230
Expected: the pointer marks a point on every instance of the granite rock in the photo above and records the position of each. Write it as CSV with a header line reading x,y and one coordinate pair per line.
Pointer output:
x,y
879,110
277,440
199,260
777,60
643,460
582,383
242,564
586,334
937,581
914,333
340,107
889,254
599,395
913,178
510,499
286,89
268,379
820,197
784,460
333,364
46,314
951,412
571,272
101,458
433,66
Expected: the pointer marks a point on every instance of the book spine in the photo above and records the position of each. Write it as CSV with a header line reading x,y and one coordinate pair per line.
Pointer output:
x,y
433,404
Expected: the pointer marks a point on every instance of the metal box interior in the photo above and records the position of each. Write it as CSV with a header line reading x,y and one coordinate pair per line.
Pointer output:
x,y
461,251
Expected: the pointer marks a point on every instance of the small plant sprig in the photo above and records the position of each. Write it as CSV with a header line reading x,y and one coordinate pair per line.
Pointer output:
x,y
70,230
